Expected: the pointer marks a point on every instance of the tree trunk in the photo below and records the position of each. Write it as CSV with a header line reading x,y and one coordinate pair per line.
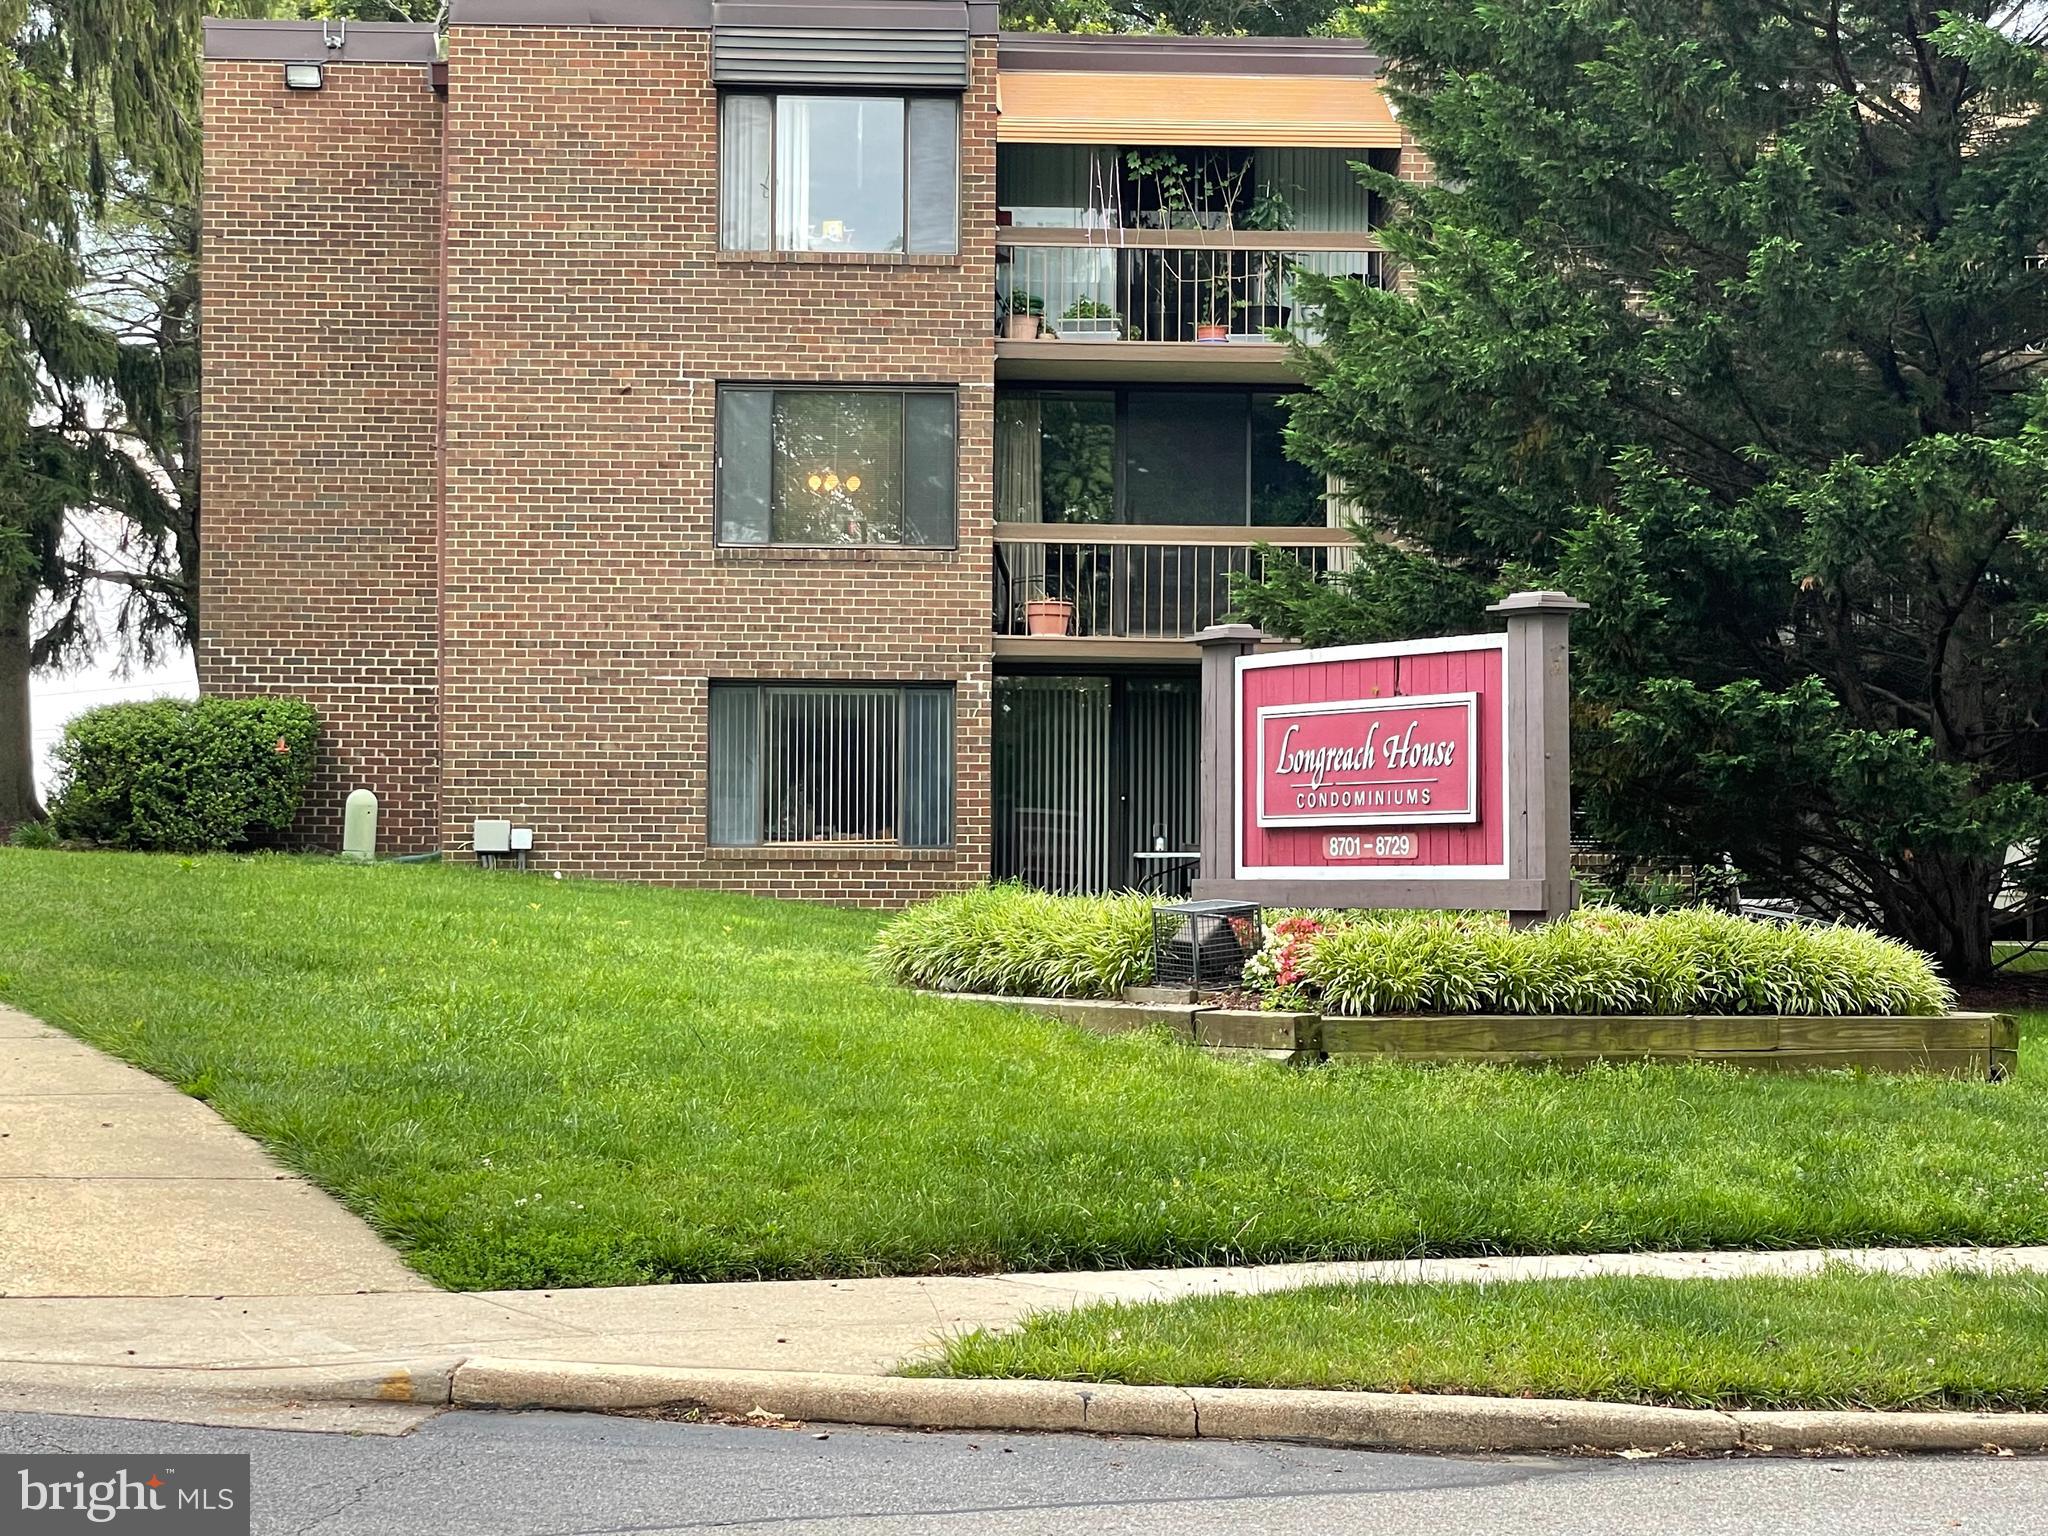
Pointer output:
x,y
1954,917
18,801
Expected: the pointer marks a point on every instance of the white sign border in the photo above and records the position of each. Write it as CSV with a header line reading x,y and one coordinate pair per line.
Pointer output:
x,y
1496,641
1468,816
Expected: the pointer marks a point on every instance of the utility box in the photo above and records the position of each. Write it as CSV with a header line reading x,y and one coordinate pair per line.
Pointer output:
x,y
359,827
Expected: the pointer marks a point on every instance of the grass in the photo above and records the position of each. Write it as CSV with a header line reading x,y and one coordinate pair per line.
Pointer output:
x,y
1839,1339
527,1083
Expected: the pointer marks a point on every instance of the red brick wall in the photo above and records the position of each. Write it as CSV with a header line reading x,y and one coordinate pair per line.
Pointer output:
x,y
319,266
590,318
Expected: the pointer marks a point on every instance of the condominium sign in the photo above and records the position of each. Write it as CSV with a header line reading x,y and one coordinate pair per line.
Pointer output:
x,y
1426,772
1369,762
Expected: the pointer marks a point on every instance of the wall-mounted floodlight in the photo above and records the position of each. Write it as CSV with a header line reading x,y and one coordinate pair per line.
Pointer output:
x,y
305,77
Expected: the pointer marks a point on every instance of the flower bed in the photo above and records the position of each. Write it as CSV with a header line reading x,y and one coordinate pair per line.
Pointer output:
x,y
1598,961
1017,942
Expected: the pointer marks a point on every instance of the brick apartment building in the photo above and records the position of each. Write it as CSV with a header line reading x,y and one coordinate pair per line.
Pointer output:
x,y
782,445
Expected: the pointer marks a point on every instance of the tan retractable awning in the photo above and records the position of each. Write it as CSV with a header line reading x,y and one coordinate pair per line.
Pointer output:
x,y
1101,107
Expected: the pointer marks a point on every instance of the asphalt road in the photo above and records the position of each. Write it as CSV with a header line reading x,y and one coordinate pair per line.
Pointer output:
x,y
474,1474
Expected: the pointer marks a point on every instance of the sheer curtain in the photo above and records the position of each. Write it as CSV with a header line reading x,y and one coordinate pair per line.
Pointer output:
x,y
794,124
745,170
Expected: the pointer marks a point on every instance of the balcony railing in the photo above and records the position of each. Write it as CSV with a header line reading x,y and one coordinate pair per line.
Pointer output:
x,y
1163,285
1128,581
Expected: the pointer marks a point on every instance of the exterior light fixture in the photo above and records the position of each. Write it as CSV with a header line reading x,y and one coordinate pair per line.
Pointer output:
x,y
304,77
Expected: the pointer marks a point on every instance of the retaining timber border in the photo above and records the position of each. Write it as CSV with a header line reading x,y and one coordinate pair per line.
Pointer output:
x,y
1982,1046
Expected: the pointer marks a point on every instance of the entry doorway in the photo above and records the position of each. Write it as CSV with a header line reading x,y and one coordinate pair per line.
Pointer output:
x,y
1097,780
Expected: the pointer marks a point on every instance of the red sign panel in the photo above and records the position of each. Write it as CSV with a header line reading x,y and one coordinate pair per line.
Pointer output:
x,y
1374,759
1369,762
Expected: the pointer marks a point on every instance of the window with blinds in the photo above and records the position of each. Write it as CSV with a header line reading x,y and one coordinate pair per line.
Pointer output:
x,y
831,763
839,173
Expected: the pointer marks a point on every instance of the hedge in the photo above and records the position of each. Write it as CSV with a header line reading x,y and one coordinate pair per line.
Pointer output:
x,y
1605,961
1021,942
186,775
1025,943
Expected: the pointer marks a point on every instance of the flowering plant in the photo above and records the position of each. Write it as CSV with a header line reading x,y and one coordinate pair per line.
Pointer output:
x,y
1277,969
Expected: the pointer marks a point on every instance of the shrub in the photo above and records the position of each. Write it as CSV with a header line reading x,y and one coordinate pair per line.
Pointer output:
x,y
1602,960
1013,940
183,774
33,834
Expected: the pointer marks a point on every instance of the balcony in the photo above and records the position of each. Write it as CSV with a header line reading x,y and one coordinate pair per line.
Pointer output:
x,y
1131,592
1137,303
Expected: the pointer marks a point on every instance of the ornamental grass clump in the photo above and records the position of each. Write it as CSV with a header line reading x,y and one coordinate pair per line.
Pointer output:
x,y
1018,942
1605,961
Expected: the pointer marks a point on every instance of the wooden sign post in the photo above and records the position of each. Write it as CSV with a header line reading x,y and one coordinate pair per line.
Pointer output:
x,y
1425,773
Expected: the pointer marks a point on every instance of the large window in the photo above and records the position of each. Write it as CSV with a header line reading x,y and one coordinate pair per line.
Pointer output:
x,y
837,466
839,173
831,763
1162,456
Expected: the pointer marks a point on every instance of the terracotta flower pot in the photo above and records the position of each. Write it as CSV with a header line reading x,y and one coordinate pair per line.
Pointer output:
x,y
1021,327
1212,333
1048,616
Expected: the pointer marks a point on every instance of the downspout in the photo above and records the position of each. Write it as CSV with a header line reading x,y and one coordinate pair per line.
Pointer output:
x,y
440,83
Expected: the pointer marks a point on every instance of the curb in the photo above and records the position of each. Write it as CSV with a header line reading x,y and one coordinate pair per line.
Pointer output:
x,y
1378,1420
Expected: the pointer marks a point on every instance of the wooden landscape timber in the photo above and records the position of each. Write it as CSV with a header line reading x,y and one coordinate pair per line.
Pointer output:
x,y
1980,1046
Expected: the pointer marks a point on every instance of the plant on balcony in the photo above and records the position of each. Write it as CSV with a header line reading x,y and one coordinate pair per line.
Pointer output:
x,y
1090,320
1210,196
1185,196
1045,614
1268,274
1025,315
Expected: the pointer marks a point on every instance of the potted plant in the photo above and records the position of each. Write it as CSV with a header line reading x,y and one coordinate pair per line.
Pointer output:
x,y
1045,614
1026,316
1090,320
1270,273
1212,321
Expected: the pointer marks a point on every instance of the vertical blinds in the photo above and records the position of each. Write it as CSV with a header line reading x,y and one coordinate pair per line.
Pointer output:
x,y
831,763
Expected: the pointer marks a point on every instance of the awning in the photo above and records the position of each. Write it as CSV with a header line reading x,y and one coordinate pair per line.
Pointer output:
x,y
1102,107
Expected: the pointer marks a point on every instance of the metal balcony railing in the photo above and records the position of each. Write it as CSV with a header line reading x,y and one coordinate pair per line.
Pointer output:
x,y
1233,285
1128,581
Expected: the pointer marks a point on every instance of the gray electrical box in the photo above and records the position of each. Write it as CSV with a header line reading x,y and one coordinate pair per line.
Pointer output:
x,y
493,836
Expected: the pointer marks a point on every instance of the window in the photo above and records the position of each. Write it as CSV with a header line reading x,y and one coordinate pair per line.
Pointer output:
x,y
1161,456
831,763
839,173
837,466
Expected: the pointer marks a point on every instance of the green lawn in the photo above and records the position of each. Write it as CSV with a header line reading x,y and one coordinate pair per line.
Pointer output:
x,y
1840,1339
537,1083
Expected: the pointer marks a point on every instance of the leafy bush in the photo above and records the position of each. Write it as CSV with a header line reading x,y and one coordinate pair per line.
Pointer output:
x,y
1601,960
183,774
1019,942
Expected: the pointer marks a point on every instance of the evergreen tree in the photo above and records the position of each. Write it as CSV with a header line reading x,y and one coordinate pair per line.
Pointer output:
x,y
1725,319
85,86
99,368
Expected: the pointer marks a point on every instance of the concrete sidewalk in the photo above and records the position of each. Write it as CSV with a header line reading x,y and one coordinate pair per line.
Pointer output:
x,y
113,1183
154,1262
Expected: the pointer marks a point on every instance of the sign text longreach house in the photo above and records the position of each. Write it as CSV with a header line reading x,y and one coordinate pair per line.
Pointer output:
x,y
1424,773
